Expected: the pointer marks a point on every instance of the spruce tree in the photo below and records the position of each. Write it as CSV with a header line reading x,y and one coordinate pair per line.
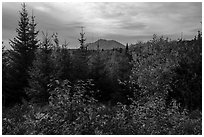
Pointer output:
x,y
23,48
98,66
82,40
80,62
62,62
80,65
41,72
33,41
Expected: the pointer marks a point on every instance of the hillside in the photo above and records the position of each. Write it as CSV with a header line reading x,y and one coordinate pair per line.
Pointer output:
x,y
104,44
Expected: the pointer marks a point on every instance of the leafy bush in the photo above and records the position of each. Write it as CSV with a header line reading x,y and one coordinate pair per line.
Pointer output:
x,y
171,68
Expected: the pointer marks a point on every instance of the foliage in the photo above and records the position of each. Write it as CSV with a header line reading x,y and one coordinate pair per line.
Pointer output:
x,y
152,66
107,68
186,84
6,66
171,68
41,72
72,110
82,40
62,63
80,65
21,56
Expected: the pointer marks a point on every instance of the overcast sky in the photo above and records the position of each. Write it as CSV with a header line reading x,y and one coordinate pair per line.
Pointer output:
x,y
123,22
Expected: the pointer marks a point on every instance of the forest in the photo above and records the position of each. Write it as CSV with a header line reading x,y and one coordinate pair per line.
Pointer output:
x,y
147,88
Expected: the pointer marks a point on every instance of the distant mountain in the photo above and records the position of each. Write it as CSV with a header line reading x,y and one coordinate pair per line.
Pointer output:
x,y
104,44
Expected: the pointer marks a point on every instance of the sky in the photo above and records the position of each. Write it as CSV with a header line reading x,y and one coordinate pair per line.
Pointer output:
x,y
124,22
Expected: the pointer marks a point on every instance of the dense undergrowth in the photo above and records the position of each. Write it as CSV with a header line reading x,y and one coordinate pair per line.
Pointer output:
x,y
72,110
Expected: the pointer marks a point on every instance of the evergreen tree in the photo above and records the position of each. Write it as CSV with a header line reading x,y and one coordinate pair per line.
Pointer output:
x,y
80,65
80,60
98,66
62,62
23,48
82,40
99,75
41,72
33,43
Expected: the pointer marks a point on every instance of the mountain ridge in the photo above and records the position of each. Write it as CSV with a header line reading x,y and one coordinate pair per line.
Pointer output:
x,y
104,44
